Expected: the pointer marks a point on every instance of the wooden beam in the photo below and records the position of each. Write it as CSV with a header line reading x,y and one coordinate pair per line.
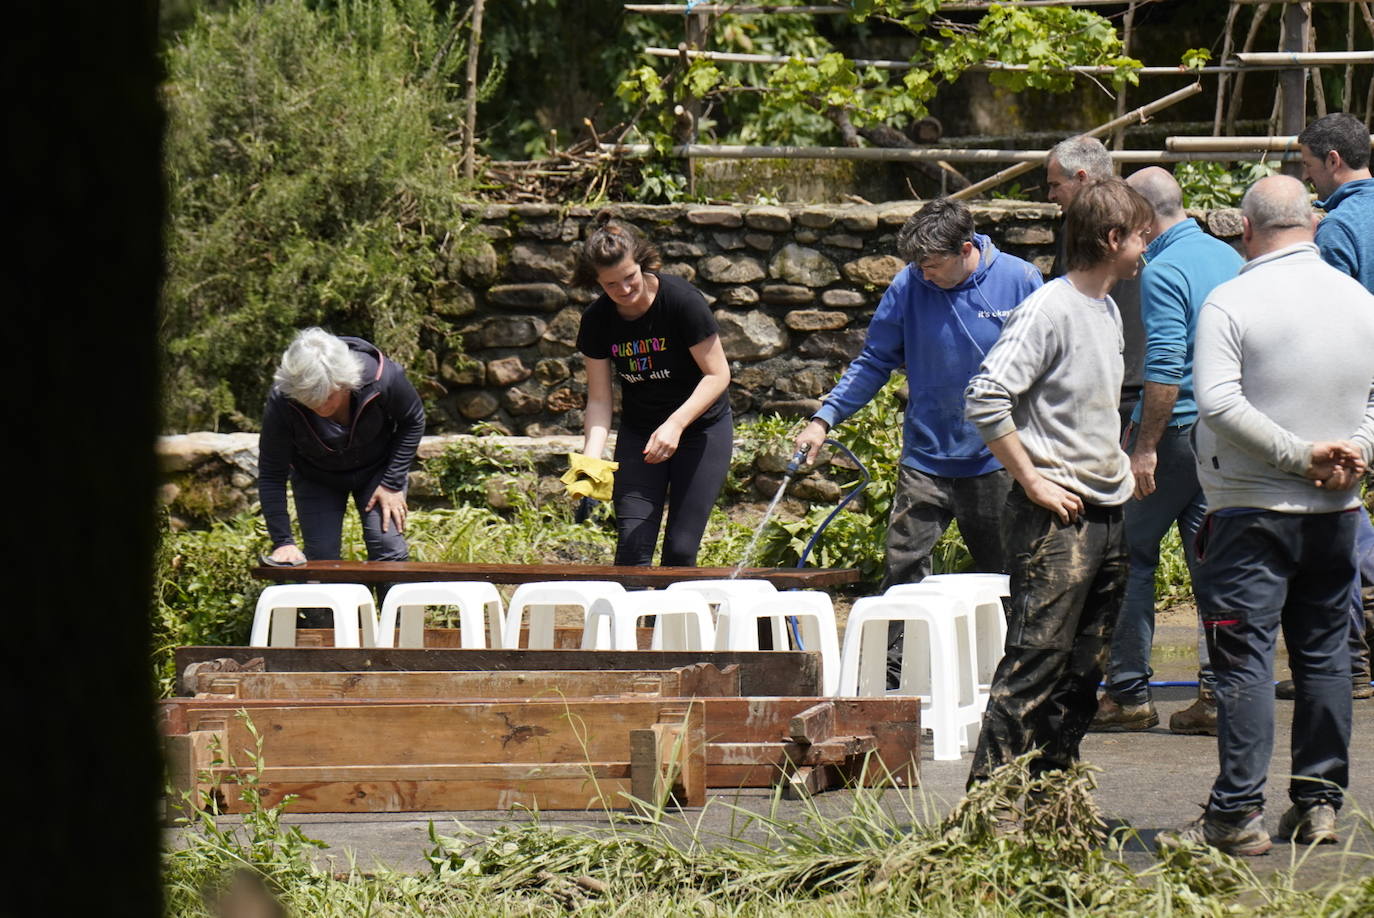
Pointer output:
x,y
766,672
680,682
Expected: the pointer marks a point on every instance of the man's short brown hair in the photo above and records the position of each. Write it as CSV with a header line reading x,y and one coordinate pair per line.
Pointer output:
x,y
1097,210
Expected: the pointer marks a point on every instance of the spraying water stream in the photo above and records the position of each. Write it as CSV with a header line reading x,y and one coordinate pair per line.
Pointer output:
x,y
797,459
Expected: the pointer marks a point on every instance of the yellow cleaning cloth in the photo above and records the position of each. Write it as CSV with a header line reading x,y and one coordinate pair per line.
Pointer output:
x,y
588,476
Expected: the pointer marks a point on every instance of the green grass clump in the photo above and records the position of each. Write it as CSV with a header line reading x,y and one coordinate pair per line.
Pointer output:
x,y
885,856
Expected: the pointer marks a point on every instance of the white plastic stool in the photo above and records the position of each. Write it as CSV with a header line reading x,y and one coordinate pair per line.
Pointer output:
x,y
682,621
999,582
719,594
355,613
737,627
989,618
408,601
937,661
541,597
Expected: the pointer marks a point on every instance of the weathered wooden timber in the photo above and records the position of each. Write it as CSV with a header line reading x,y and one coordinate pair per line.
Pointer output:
x,y
419,571
809,744
696,681
762,673
349,757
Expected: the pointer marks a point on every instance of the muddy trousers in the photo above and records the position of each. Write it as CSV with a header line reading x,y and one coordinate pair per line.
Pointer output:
x,y
1259,571
1067,583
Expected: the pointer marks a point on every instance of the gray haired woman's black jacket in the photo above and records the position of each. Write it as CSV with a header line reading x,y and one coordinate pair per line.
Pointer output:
x,y
388,422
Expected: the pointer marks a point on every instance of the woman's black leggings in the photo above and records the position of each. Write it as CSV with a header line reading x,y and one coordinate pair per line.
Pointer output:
x,y
688,483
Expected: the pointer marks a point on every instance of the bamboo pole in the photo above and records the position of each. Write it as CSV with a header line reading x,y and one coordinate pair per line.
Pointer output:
x,y
733,57
1119,135
1349,68
932,154
953,6
1232,10
1140,113
1233,110
1288,144
470,122
1290,59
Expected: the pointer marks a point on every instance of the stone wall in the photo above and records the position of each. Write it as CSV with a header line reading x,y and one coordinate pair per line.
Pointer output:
x,y
792,287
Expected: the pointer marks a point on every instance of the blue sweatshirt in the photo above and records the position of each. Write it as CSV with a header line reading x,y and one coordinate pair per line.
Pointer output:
x,y
1346,236
1182,265
940,336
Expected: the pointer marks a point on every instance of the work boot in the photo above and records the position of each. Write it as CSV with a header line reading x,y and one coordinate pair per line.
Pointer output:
x,y
1243,837
1114,717
1313,825
1360,688
1199,718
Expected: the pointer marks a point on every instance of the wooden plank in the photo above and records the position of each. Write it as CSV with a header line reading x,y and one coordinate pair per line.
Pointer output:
x,y
668,760
433,796
784,578
477,771
414,734
762,673
814,724
679,682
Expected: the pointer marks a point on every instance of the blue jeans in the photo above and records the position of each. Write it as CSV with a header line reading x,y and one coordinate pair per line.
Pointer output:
x,y
320,507
1177,499
1258,572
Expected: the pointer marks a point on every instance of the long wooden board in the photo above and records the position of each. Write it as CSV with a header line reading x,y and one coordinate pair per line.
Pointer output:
x,y
785,578
762,673
699,680
750,742
389,758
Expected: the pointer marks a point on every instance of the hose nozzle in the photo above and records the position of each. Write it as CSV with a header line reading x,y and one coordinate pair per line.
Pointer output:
x,y
797,459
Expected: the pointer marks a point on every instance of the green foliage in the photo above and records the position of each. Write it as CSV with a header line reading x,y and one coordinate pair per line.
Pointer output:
x,y
1211,185
311,162
203,589
797,102
1195,58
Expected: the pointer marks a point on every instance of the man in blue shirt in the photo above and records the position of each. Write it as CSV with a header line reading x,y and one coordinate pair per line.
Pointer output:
x,y
1335,159
1182,265
937,321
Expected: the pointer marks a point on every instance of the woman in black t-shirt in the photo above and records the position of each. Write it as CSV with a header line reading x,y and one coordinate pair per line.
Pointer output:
x,y
658,335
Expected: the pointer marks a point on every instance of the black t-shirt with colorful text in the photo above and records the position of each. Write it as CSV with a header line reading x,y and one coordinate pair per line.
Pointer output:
x,y
650,355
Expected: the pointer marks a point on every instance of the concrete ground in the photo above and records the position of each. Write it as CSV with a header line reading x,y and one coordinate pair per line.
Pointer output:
x,y
1149,781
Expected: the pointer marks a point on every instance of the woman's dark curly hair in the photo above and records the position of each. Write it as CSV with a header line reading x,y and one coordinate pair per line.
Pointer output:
x,y
610,242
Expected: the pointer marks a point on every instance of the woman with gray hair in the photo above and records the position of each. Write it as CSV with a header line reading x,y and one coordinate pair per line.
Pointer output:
x,y
341,420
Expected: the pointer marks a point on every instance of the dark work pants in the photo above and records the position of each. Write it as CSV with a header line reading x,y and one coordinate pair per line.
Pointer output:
x,y
922,509
1259,572
688,484
1067,583
320,507
1177,499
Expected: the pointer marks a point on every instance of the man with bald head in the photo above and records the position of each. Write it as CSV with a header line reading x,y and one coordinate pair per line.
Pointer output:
x,y
1282,378
1182,265
1071,166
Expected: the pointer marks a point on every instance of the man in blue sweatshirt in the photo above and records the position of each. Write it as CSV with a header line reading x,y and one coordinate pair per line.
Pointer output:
x,y
1335,159
937,321
1182,265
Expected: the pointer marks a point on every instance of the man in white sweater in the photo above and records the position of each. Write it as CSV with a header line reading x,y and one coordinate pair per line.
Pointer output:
x,y
1284,380
1045,401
